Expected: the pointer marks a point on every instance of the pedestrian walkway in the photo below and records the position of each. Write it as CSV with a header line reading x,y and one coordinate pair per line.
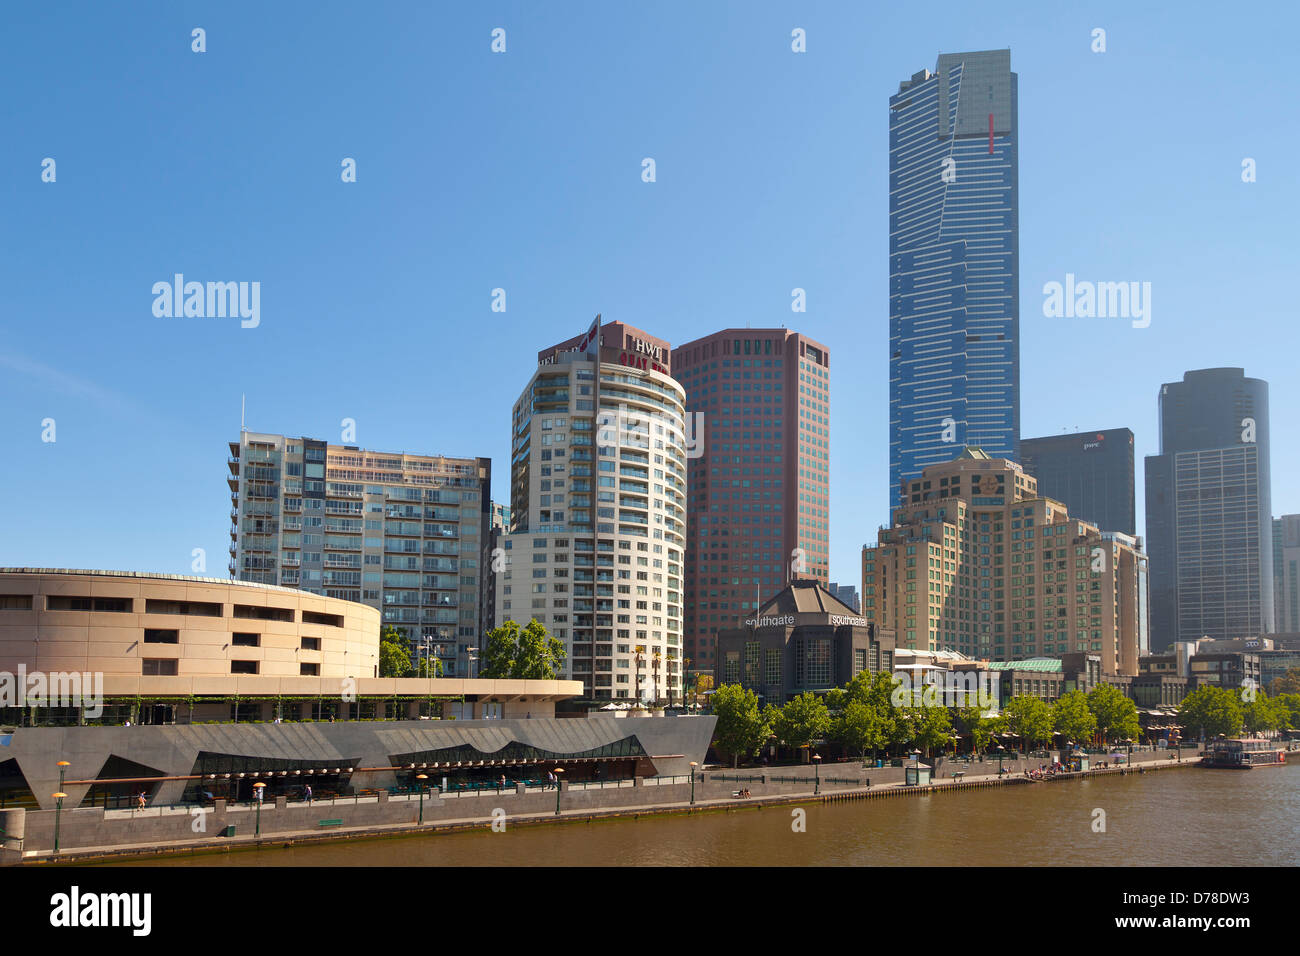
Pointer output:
x,y
209,843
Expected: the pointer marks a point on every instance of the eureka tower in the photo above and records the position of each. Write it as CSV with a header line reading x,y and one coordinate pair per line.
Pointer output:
x,y
954,262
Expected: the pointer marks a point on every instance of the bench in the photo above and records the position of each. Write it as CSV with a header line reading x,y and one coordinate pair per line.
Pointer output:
x,y
958,774
330,823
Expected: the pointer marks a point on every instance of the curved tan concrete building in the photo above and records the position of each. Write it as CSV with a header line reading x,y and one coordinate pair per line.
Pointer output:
x,y
136,624
274,682
163,649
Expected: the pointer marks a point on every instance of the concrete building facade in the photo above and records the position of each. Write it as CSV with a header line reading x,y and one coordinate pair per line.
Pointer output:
x,y
848,594
1286,574
977,561
598,512
1091,473
400,533
801,639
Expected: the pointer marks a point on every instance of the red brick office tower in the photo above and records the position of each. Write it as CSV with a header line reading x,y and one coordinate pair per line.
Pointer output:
x,y
758,488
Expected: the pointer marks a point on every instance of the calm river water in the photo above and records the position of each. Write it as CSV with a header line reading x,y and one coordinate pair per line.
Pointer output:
x,y
1185,817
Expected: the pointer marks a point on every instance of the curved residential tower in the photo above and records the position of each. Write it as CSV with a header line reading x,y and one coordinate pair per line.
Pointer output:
x,y
598,512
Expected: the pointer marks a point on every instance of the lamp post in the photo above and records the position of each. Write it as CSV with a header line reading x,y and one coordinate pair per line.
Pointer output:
x,y
817,777
257,796
558,771
63,766
1001,750
58,811
639,658
421,776
693,766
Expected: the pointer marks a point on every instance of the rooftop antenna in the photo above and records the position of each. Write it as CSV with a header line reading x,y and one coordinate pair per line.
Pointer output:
x,y
242,429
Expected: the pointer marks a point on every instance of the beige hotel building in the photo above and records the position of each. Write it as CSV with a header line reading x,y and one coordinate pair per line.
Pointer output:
x,y
598,513
978,562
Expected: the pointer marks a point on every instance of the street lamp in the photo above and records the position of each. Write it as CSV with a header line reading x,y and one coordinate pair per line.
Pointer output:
x,y
817,777
1001,750
558,771
693,766
421,776
58,809
257,790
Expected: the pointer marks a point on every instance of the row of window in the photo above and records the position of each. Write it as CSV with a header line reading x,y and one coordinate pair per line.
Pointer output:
x,y
162,635
59,602
167,667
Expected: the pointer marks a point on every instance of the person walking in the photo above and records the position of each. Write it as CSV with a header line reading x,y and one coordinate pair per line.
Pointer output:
x,y
307,793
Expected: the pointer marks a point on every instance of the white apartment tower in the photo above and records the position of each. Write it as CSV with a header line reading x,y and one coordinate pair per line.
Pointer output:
x,y
598,512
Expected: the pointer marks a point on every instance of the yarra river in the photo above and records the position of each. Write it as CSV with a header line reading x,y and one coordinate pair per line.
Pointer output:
x,y
1186,817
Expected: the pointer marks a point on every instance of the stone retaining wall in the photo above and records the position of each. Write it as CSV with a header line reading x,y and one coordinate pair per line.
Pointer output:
x,y
96,827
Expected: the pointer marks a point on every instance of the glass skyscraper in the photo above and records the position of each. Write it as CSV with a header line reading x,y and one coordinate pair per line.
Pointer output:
x,y
954,263
1209,520
1091,473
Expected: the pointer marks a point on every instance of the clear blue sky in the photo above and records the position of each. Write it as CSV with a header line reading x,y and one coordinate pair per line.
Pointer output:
x,y
523,171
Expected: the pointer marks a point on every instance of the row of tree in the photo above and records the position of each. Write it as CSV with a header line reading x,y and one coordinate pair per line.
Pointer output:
x,y
1214,711
866,716
526,653
395,657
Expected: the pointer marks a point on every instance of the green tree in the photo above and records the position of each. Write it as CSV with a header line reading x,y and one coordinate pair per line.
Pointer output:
x,y
931,727
1071,716
1117,717
429,666
394,655
981,728
858,689
1211,711
1030,718
1288,683
740,729
1264,713
1289,709
859,728
527,653
802,720
871,724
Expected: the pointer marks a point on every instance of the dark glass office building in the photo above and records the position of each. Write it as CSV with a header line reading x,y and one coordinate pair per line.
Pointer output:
x,y
954,264
1091,473
1209,521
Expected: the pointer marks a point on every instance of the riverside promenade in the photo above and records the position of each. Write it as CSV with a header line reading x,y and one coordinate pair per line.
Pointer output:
x,y
88,835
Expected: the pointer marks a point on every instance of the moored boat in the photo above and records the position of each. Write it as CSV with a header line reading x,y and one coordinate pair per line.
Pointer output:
x,y
1243,754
